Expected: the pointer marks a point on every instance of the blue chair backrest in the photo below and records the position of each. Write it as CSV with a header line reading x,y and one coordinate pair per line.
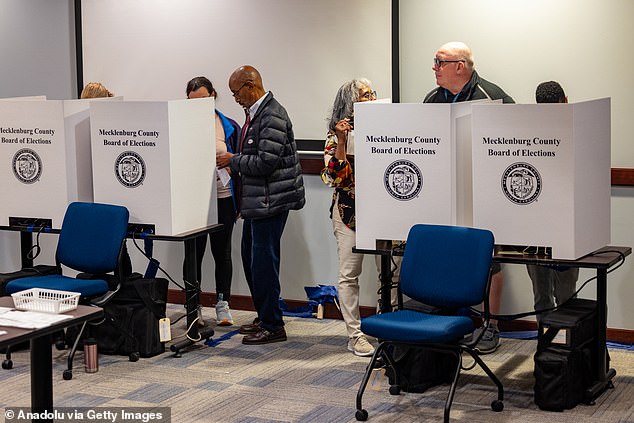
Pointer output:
x,y
91,237
446,266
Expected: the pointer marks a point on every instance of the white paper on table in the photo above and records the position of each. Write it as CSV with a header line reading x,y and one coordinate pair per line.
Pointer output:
x,y
30,319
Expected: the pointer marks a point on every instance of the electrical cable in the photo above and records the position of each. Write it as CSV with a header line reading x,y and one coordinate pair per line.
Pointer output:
x,y
187,332
35,249
479,313
169,277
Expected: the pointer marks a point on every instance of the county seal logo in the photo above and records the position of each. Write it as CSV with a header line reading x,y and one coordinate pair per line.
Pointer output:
x,y
403,180
27,166
129,169
521,183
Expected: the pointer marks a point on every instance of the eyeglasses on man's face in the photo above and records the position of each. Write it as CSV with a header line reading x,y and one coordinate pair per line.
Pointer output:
x,y
439,62
369,95
236,92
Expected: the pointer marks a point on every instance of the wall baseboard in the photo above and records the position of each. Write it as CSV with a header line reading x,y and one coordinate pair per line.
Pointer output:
x,y
243,302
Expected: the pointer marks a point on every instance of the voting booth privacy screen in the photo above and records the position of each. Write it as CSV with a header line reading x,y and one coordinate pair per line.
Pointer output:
x,y
404,169
541,175
535,175
157,158
412,165
45,146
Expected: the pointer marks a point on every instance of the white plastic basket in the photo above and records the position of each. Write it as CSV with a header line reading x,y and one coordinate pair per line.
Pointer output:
x,y
45,300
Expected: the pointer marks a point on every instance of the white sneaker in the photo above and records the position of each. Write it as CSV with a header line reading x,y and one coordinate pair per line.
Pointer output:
x,y
360,346
223,315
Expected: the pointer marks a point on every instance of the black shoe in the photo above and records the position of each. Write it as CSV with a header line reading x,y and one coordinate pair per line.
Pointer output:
x,y
264,337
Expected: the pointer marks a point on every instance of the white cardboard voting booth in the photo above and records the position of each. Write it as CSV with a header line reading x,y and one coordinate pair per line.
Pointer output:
x,y
157,158
541,175
46,149
404,169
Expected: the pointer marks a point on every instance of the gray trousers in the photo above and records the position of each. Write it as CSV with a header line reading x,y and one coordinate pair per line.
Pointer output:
x,y
550,286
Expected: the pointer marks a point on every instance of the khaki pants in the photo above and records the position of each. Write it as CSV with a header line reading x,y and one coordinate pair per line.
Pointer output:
x,y
350,265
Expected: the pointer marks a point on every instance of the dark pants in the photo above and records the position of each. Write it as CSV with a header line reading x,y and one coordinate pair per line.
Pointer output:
x,y
261,260
220,243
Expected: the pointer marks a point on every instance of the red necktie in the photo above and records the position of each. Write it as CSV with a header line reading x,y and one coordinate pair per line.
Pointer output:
x,y
245,128
243,134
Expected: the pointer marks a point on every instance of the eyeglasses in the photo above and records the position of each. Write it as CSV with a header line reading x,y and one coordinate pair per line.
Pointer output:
x,y
235,93
370,95
438,62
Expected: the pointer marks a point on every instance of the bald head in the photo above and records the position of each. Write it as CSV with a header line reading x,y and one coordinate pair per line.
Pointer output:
x,y
246,85
453,66
246,73
459,51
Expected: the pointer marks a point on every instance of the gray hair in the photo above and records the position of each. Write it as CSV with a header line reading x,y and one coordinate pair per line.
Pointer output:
x,y
348,94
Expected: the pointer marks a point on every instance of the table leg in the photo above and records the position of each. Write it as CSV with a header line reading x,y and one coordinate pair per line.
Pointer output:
x,y
41,375
192,287
385,304
192,296
603,376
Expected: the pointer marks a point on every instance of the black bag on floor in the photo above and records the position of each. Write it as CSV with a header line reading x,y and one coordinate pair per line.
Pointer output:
x,y
420,369
564,367
132,316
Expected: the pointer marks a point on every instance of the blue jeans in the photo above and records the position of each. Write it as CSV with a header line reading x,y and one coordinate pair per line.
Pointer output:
x,y
261,260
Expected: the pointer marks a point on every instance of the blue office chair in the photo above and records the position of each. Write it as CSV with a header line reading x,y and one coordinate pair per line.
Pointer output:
x,y
91,241
446,267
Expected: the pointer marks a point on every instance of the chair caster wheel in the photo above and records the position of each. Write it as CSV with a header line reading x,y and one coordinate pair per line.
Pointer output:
x,y
395,390
7,364
134,356
361,415
67,375
497,406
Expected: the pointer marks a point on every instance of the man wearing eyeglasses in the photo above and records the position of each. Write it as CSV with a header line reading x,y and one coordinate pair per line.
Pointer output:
x,y
267,163
458,81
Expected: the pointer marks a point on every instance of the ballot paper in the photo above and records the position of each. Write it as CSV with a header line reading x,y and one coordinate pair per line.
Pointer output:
x,y
224,176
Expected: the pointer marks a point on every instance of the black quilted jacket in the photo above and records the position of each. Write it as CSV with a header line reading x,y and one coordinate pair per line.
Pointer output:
x,y
268,165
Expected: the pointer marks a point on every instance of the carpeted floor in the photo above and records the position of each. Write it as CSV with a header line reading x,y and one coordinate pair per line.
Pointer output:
x,y
309,378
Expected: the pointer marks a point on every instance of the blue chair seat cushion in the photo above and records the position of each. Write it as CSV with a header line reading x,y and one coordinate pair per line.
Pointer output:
x,y
414,327
86,287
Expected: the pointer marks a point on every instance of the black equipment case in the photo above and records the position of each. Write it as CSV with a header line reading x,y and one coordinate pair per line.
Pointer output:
x,y
566,356
421,368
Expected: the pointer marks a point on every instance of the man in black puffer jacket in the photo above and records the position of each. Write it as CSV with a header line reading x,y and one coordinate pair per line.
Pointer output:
x,y
271,184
